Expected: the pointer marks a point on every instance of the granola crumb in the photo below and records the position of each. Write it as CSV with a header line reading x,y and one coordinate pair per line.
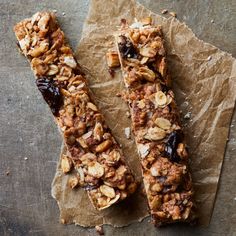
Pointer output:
x,y
26,158
164,11
111,72
127,132
118,94
173,14
54,10
99,229
212,21
128,114
63,13
187,115
7,172
209,58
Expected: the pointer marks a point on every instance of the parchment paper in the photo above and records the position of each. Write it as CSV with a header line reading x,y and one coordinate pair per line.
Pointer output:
x,y
204,81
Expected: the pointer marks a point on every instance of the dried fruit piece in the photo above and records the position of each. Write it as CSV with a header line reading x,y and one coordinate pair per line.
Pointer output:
x,y
51,94
163,123
96,170
126,47
66,164
107,191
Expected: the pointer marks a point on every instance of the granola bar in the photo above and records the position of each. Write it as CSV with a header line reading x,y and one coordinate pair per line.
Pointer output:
x,y
92,150
155,123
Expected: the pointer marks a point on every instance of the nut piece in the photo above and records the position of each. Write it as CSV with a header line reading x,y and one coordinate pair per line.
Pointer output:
x,y
112,59
70,61
92,106
103,146
143,150
66,164
163,123
160,98
147,74
106,205
96,170
148,52
98,131
37,51
155,134
107,191
53,69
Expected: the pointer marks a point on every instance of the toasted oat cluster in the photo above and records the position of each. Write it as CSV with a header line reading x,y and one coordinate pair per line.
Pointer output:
x,y
155,123
92,150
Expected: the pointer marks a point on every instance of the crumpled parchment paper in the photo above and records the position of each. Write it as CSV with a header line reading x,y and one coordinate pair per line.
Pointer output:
x,y
204,81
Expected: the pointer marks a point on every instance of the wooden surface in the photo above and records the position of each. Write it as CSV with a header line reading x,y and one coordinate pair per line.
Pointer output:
x,y
30,142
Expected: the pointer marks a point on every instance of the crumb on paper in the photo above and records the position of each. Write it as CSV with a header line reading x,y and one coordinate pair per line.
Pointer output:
x,y
25,158
8,172
118,94
172,13
164,11
127,132
63,13
212,21
187,115
128,114
99,229
209,58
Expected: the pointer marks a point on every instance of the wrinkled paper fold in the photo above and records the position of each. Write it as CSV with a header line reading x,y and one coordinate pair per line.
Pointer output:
x,y
204,81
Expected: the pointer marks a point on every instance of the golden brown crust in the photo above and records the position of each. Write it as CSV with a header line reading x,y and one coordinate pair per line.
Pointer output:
x,y
92,150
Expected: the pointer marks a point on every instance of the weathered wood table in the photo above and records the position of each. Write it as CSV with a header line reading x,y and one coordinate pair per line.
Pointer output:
x,y
30,142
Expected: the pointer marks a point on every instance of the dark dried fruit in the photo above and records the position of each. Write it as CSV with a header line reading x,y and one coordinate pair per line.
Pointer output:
x,y
126,48
51,94
173,140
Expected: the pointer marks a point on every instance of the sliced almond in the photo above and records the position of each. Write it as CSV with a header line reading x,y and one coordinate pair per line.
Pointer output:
x,y
114,200
107,191
66,164
87,135
82,142
70,61
146,20
163,123
156,187
143,150
155,134
81,174
96,170
92,106
148,52
43,22
37,51
98,131
147,74
154,171
53,69
73,182
160,98
141,104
